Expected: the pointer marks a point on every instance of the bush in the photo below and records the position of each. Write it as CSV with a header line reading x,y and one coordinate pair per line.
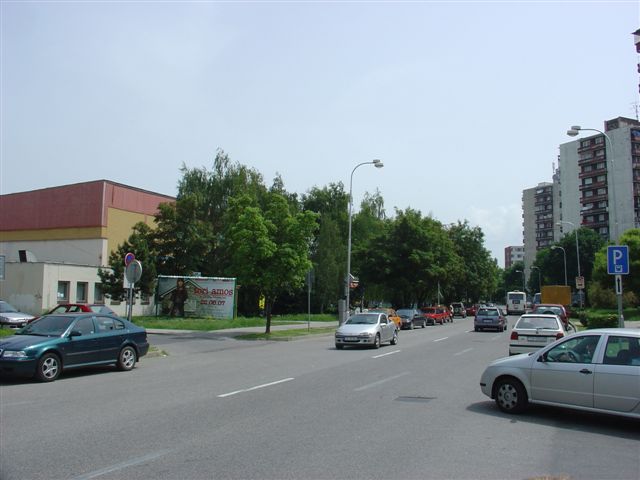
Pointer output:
x,y
601,297
594,320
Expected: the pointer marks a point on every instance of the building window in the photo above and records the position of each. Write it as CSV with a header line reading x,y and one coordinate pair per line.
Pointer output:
x,y
144,299
63,292
82,288
98,294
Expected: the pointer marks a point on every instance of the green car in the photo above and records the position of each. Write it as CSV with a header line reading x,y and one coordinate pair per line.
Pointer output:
x,y
53,343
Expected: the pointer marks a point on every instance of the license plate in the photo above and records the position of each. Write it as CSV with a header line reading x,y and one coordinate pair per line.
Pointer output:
x,y
488,320
351,339
538,339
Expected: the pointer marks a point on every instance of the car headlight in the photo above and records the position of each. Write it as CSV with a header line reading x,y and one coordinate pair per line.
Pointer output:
x,y
14,354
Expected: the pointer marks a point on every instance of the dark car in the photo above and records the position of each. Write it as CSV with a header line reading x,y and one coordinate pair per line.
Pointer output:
x,y
411,318
53,343
553,309
458,309
490,318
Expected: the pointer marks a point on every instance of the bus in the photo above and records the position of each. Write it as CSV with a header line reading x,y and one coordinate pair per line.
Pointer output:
x,y
516,303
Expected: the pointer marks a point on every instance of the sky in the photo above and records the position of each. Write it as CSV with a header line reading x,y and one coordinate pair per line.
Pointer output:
x,y
465,102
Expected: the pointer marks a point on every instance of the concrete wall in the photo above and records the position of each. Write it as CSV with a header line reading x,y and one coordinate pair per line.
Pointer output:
x,y
32,287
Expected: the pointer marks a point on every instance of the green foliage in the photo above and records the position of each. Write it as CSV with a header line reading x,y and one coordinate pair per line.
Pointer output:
x,y
630,283
600,321
139,243
600,297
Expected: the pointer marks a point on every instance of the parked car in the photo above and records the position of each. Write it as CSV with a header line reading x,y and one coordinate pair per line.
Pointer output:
x,y
437,314
411,318
533,331
11,317
472,309
80,307
490,318
553,309
55,343
391,313
594,370
367,329
458,309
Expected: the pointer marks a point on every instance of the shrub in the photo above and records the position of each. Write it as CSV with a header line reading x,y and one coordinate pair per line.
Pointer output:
x,y
600,321
601,297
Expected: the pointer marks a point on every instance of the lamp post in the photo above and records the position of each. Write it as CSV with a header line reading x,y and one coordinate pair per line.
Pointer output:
x,y
378,164
575,130
539,278
564,254
577,249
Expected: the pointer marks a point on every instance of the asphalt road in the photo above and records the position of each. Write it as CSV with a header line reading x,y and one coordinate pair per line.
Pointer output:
x,y
220,408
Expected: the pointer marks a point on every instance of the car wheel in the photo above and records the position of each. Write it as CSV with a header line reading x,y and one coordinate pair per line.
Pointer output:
x,y
339,346
376,341
476,329
127,358
510,395
424,324
49,367
411,326
394,339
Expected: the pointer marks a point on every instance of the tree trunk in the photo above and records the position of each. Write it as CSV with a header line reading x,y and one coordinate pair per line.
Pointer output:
x,y
268,303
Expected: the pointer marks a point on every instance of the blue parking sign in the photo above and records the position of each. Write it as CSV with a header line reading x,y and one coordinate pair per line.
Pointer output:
x,y
618,260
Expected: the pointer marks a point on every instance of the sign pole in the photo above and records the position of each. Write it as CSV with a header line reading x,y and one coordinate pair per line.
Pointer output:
x,y
618,265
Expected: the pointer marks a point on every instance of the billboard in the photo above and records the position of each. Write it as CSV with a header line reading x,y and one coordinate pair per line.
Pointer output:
x,y
196,296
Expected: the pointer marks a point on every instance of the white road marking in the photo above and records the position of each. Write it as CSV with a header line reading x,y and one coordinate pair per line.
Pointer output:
x,y
463,351
255,388
385,354
123,465
440,339
380,382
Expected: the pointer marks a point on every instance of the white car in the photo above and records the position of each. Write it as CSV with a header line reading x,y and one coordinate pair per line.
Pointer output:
x,y
594,370
533,331
367,329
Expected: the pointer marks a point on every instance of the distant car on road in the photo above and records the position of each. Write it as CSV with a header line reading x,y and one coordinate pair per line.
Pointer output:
x,y
458,309
411,318
55,343
369,329
11,317
437,314
533,331
594,370
472,309
490,318
553,309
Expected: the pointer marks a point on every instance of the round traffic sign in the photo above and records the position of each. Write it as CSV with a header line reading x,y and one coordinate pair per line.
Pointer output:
x,y
128,258
133,272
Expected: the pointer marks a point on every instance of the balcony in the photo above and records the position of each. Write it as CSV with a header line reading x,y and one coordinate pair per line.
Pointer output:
x,y
593,185
593,173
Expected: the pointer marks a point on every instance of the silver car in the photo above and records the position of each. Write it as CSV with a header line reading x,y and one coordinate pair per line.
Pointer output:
x,y
594,370
11,317
367,329
533,331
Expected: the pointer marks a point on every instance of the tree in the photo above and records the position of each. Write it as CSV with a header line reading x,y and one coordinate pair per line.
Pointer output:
x,y
269,246
479,276
409,258
139,244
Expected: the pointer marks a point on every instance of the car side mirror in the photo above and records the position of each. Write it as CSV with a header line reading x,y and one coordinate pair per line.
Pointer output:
x,y
75,333
542,358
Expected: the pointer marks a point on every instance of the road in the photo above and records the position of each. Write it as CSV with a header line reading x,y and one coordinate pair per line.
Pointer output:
x,y
220,408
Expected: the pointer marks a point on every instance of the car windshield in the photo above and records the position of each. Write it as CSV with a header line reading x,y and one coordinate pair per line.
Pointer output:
x,y
456,305
543,323
362,320
405,313
551,310
6,308
488,312
429,310
49,326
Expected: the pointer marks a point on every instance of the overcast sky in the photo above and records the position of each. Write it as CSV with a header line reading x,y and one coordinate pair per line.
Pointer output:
x,y
466,103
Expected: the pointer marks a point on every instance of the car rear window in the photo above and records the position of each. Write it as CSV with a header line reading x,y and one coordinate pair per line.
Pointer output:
x,y
488,312
546,323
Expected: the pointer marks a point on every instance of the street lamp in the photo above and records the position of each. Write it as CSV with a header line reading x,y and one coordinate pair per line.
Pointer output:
x,y
539,278
564,254
378,164
575,130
